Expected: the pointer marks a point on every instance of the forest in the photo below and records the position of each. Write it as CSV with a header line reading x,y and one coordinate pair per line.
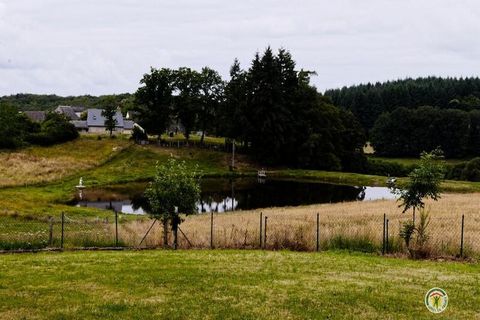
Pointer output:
x,y
369,101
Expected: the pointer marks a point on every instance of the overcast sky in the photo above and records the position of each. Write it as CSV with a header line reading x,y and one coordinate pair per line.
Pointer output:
x,y
96,47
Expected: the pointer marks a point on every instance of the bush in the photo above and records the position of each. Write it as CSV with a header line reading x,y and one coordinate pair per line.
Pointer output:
x,y
384,168
55,129
471,171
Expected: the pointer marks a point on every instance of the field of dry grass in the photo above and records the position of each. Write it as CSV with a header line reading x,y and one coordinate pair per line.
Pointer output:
x,y
44,164
351,225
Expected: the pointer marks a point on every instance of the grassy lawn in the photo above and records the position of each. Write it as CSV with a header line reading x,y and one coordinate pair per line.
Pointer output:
x,y
230,285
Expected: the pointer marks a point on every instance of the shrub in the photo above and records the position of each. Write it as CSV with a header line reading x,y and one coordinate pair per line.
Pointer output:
x,y
471,171
384,168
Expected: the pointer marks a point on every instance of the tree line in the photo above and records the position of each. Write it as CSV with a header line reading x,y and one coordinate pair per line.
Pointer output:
x,y
408,132
270,109
369,101
48,102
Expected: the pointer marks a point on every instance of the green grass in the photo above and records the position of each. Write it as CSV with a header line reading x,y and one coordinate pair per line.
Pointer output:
x,y
413,161
230,285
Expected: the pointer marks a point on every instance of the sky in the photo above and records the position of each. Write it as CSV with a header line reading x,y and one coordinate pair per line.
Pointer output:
x,y
72,47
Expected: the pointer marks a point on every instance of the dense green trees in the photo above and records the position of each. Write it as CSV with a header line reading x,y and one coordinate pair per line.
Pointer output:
x,y
369,101
154,100
17,130
408,132
282,119
25,102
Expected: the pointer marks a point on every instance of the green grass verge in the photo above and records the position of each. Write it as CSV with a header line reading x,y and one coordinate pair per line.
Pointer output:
x,y
230,285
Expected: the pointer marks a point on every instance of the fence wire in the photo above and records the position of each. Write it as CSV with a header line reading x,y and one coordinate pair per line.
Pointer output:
x,y
455,235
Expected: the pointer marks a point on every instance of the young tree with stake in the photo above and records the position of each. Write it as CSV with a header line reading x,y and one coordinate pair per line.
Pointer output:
x,y
174,190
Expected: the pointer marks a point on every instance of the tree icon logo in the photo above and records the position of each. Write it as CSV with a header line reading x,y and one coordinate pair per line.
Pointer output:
x,y
436,300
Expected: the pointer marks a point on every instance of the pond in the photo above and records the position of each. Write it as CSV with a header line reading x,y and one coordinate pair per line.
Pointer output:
x,y
222,195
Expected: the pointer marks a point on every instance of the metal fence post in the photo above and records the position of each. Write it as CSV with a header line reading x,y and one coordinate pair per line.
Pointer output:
x,y
318,232
462,235
211,230
50,231
116,228
261,220
386,237
383,235
265,234
63,230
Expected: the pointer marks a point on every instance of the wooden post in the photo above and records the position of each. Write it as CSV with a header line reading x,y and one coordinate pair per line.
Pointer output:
x,y
383,235
63,228
318,232
211,230
386,236
50,231
261,220
116,228
265,234
462,235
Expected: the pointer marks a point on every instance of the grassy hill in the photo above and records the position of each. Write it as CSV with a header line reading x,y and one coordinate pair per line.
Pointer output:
x,y
219,284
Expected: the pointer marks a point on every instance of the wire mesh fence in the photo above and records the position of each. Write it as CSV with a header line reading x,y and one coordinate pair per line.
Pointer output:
x,y
452,235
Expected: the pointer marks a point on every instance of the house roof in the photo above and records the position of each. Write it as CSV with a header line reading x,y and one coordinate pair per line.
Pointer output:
x,y
36,116
95,118
68,111
79,124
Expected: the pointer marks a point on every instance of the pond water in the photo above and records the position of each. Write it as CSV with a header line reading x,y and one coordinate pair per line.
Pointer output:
x,y
222,195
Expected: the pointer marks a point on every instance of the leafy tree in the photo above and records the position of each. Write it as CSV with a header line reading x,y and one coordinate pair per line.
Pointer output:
x,y
109,112
211,95
154,100
175,189
423,182
187,101
14,127
55,129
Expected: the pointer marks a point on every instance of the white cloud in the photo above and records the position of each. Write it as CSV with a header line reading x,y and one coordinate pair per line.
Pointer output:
x,y
96,47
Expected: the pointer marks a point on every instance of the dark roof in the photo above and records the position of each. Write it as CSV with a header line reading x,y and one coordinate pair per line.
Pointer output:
x,y
79,124
68,111
36,116
95,118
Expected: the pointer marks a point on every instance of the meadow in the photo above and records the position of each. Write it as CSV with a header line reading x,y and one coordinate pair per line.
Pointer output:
x,y
218,284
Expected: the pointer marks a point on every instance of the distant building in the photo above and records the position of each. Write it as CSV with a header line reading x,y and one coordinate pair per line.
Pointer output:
x,y
95,123
36,116
72,113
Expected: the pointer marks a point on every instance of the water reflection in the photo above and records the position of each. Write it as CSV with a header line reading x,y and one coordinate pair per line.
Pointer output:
x,y
222,195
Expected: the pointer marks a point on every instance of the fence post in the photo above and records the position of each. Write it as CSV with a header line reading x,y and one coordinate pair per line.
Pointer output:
x,y
265,234
318,232
261,220
383,235
386,236
63,228
116,228
211,230
50,231
462,234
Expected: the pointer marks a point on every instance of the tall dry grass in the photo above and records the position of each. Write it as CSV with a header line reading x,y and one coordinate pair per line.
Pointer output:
x,y
351,225
43,164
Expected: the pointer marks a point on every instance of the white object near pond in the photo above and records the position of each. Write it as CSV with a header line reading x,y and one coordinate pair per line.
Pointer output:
x,y
80,188
262,173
